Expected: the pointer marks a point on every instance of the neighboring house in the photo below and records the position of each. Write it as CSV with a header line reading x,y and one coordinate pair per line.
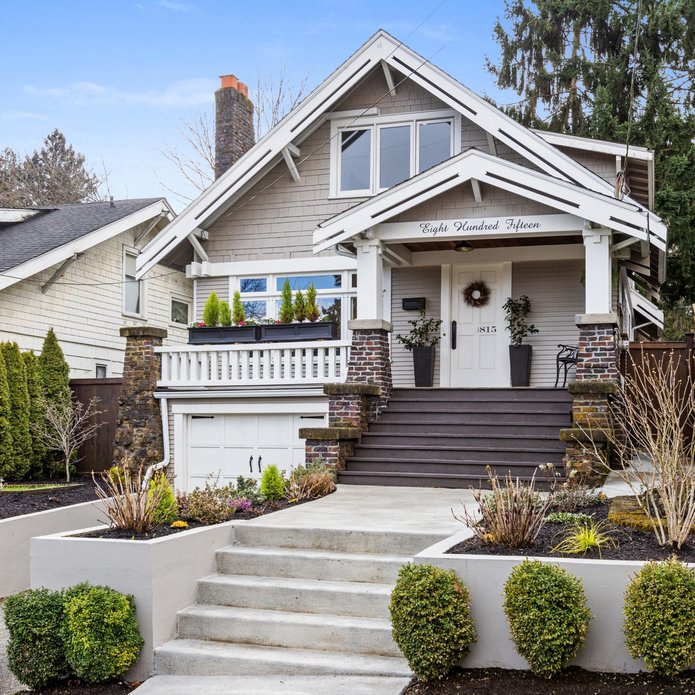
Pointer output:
x,y
72,268
371,188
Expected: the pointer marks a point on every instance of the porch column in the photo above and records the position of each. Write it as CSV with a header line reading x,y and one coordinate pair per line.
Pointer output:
x,y
370,279
597,273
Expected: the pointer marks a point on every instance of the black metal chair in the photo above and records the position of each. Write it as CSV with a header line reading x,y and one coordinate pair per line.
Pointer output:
x,y
565,359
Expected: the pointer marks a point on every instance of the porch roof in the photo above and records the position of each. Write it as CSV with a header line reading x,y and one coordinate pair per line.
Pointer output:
x,y
473,165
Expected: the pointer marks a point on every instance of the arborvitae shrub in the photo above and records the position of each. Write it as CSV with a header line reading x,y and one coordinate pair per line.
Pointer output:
x,y
167,509
547,614
38,448
6,446
659,609
238,312
299,307
272,485
101,635
286,304
312,308
211,310
19,409
431,617
225,314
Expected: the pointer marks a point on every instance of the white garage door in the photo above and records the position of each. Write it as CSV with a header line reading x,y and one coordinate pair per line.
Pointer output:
x,y
244,444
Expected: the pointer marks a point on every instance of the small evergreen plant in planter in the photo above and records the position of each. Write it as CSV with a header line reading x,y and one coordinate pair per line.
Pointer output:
x,y
286,304
547,614
431,617
225,314
422,340
312,308
238,310
211,311
517,311
299,307
659,608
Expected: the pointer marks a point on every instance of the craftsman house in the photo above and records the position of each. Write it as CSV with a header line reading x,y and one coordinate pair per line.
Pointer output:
x,y
393,188
72,268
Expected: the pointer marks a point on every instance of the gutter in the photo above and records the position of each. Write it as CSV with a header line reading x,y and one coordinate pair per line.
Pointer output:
x,y
151,470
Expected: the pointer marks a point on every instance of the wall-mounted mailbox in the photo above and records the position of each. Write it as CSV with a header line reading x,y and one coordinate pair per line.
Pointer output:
x,y
414,304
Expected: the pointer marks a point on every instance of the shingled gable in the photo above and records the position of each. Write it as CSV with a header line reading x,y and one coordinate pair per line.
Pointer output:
x,y
380,50
624,217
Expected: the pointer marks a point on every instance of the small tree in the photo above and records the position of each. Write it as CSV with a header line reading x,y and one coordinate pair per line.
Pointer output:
x,y
286,305
211,310
299,307
67,426
312,308
517,311
6,448
34,387
225,314
19,409
239,313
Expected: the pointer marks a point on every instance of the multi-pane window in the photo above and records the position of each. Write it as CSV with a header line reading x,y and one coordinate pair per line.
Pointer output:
x,y
372,158
179,311
132,288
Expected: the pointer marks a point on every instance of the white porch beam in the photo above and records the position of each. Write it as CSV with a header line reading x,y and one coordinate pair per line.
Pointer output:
x,y
597,274
401,255
287,156
390,83
477,192
623,244
370,280
198,247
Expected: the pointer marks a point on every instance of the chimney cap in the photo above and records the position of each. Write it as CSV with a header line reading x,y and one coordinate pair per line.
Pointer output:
x,y
232,82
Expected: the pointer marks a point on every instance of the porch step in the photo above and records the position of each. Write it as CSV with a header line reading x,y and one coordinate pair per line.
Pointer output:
x,y
447,437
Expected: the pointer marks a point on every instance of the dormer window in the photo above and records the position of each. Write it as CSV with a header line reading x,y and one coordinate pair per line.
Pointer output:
x,y
372,154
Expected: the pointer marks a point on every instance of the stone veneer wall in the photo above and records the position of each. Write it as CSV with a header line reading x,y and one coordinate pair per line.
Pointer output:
x,y
139,429
234,135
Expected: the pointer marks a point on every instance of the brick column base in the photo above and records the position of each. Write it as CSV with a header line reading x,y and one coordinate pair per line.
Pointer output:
x,y
139,427
330,446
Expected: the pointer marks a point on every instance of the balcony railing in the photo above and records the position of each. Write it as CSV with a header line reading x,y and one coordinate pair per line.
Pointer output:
x,y
254,365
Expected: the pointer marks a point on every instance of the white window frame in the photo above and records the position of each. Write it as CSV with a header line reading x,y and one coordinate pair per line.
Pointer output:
x,y
131,251
175,298
375,123
97,365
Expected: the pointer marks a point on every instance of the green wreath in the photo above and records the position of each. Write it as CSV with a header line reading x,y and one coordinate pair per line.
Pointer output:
x,y
476,294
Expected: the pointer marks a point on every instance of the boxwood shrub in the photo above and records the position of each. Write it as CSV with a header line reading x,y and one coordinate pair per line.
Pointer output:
x,y
547,614
35,651
432,624
101,635
659,609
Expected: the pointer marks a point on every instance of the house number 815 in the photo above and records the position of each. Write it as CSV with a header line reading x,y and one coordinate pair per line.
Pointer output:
x,y
487,329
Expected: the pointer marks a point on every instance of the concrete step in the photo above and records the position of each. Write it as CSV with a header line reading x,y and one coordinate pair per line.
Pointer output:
x,y
310,564
208,658
288,629
361,599
334,540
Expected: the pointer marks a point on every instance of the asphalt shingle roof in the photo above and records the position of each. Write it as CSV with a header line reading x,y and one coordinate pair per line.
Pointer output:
x,y
58,225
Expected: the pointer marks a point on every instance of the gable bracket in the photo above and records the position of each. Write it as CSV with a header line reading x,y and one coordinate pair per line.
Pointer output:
x,y
477,192
198,247
59,272
150,227
389,78
287,154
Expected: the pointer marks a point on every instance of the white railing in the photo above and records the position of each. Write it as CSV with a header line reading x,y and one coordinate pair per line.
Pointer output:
x,y
254,365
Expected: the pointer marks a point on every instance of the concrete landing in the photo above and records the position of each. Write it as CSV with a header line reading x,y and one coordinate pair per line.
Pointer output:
x,y
272,685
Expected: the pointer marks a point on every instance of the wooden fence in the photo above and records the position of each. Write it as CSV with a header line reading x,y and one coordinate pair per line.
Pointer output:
x,y
96,454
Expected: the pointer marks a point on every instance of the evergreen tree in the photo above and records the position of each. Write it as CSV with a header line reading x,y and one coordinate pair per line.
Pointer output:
x,y
211,310
34,387
19,409
238,313
299,307
312,308
572,64
225,314
286,304
7,460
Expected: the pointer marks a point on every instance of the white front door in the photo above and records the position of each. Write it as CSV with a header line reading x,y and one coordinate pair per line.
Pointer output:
x,y
478,354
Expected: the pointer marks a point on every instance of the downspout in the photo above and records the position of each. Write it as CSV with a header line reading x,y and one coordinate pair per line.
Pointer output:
x,y
151,470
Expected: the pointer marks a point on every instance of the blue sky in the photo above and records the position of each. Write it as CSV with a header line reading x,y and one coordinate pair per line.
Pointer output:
x,y
120,77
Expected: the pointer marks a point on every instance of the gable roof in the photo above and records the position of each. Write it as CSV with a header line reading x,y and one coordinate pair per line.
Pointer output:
x,y
380,48
625,217
55,233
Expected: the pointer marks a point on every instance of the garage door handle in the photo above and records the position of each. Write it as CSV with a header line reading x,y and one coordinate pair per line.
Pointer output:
x,y
260,458
251,464
453,335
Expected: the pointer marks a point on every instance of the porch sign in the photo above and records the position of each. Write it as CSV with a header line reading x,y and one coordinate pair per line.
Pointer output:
x,y
528,225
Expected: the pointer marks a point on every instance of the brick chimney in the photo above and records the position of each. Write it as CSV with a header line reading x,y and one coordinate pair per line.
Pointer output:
x,y
233,123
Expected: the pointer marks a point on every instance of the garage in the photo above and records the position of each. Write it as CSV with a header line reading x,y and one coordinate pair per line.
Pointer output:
x,y
244,443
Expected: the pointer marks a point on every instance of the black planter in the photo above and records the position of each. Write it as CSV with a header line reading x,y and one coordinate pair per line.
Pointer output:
x,y
292,332
520,363
223,334
423,365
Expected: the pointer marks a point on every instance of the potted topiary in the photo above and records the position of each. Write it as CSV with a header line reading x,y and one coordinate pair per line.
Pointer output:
x,y
517,311
422,340
216,326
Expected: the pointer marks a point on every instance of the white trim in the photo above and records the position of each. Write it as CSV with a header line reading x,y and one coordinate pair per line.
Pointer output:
x,y
499,255
311,113
445,315
173,297
131,251
309,264
264,405
14,215
84,243
590,145
246,392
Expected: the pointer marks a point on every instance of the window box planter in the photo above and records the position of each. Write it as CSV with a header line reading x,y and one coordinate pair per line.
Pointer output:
x,y
283,332
223,334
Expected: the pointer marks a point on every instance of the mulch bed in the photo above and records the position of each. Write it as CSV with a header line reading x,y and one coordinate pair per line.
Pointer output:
x,y
166,530
20,503
632,544
76,687
573,681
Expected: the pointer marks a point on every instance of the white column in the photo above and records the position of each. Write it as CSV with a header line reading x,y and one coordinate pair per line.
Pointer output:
x,y
597,275
370,280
